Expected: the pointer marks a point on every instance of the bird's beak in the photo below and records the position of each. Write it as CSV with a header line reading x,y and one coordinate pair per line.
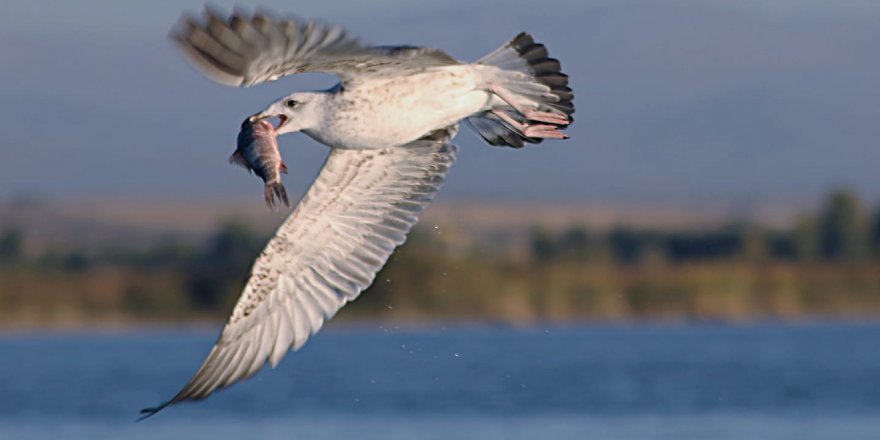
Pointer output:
x,y
263,115
257,117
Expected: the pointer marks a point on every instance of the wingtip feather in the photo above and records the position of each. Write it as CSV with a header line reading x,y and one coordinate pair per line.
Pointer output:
x,y
150,412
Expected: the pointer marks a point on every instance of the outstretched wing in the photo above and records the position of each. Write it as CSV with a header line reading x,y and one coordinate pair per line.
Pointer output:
x,y
357,211
246,50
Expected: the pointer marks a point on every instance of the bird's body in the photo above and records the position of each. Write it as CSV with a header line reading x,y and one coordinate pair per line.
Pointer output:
x,y
391,111
389,125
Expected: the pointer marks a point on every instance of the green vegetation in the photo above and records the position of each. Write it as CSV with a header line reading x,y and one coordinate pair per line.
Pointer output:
x,y
11,248
842,231
822,265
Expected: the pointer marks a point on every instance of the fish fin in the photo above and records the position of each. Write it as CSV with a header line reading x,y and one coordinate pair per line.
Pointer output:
x,y
270,196
273,191
283,168
281,192
238,159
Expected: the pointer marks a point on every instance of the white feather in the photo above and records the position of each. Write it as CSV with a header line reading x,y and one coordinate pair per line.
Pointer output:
x,y
324,255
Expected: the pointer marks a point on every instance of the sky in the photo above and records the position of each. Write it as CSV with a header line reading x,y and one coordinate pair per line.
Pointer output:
x,y
677,100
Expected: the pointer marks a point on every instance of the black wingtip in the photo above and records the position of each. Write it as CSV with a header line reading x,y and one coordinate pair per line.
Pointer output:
x,y
150,412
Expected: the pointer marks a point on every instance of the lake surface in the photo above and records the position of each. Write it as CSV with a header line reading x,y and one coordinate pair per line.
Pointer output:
x,y
602,382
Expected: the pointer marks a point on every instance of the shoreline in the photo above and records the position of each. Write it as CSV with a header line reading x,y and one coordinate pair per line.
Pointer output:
x,y
210,327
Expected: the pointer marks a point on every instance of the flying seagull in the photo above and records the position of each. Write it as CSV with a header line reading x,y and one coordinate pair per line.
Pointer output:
x,y
389,123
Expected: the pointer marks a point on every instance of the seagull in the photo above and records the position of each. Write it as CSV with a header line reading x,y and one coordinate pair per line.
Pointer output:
x,y
389,123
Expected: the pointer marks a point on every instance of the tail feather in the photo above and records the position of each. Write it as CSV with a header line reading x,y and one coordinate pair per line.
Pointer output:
x,y
529,82
497,133
546,70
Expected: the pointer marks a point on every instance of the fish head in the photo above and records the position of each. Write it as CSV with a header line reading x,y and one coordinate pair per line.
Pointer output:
x,y
296,112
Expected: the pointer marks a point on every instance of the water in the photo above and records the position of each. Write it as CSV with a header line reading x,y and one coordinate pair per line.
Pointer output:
x,y
629,382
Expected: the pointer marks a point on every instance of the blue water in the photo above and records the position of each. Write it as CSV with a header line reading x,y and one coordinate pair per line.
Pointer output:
x,y
603,382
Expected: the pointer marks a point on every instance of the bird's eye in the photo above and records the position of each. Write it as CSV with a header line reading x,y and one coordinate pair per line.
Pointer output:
x,y
290,103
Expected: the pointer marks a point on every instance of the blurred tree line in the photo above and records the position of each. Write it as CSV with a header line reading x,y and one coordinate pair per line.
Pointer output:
x,y
172,278
823,263
841,232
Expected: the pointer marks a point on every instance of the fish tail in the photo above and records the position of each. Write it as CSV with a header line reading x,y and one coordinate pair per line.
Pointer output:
x,y
276,190
281,192
270,196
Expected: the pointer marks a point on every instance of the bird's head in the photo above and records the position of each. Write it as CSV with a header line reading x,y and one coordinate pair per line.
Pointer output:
x,y
295,112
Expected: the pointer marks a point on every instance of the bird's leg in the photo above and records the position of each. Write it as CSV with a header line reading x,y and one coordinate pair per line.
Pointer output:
x,y
528,112
531,130
544,131
548,117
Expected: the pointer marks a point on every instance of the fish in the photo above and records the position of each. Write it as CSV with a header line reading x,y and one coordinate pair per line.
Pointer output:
x,y
258,153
